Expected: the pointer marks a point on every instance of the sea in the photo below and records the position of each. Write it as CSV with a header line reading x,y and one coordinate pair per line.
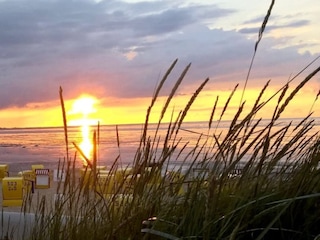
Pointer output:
x,y
22,147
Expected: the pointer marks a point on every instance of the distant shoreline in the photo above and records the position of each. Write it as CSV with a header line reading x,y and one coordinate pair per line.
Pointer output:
x,y
141,124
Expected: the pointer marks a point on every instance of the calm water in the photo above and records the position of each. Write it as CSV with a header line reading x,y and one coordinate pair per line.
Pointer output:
x,y
21,148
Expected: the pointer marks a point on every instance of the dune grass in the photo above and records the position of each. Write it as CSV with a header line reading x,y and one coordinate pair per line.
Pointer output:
x,y
256,181
253,182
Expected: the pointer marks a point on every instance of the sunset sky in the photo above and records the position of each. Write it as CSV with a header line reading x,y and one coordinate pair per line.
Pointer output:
x,y
117,51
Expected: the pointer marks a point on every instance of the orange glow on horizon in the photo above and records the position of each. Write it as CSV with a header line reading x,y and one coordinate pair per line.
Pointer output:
x,y
88,110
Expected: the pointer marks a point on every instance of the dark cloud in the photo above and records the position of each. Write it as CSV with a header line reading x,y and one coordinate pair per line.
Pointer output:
x,y
85,46
256,20
300,23
174,19
165,22
293,24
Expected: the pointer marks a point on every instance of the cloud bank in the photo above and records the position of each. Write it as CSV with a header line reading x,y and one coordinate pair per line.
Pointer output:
x,y
121,49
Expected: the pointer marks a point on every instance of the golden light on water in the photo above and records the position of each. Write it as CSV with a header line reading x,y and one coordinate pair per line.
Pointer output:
x,y
86,144
84,106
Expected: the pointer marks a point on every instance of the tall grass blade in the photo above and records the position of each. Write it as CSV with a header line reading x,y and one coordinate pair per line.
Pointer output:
x,y
213,111
155,98
228,101
190,102
173,91
64,123
261,30
296,90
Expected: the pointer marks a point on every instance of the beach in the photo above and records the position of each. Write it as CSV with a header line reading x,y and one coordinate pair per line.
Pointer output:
x,y
35,192
22,148
16,221
90,204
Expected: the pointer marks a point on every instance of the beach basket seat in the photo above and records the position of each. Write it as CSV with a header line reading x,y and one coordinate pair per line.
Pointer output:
x,y
128,183
122,173
12,191
152,178
108,183
28,180
105,184
36,166
175,180
42,179
4,171
101,168
86,177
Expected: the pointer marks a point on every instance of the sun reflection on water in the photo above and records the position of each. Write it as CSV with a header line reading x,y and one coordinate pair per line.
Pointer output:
x,y
86,145
84,105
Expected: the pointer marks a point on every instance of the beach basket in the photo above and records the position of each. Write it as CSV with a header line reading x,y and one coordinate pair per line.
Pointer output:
x,y
42,178
28,179
105,184
86,177
37,166
12,191
4,171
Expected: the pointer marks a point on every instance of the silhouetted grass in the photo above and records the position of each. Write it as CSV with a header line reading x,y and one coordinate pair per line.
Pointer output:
x,y
252,182
255,181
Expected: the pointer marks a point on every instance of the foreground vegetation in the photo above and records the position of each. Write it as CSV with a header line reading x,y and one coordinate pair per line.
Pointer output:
x,y
253,182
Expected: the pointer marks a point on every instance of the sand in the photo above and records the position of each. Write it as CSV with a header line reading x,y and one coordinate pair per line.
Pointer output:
x,y
49,193
15,219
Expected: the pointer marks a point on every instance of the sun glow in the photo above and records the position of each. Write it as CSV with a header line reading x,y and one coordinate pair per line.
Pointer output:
x,y
86,144
84,106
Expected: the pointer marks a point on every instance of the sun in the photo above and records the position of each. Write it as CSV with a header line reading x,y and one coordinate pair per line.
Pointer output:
x,y
82,110
84,104
83,107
